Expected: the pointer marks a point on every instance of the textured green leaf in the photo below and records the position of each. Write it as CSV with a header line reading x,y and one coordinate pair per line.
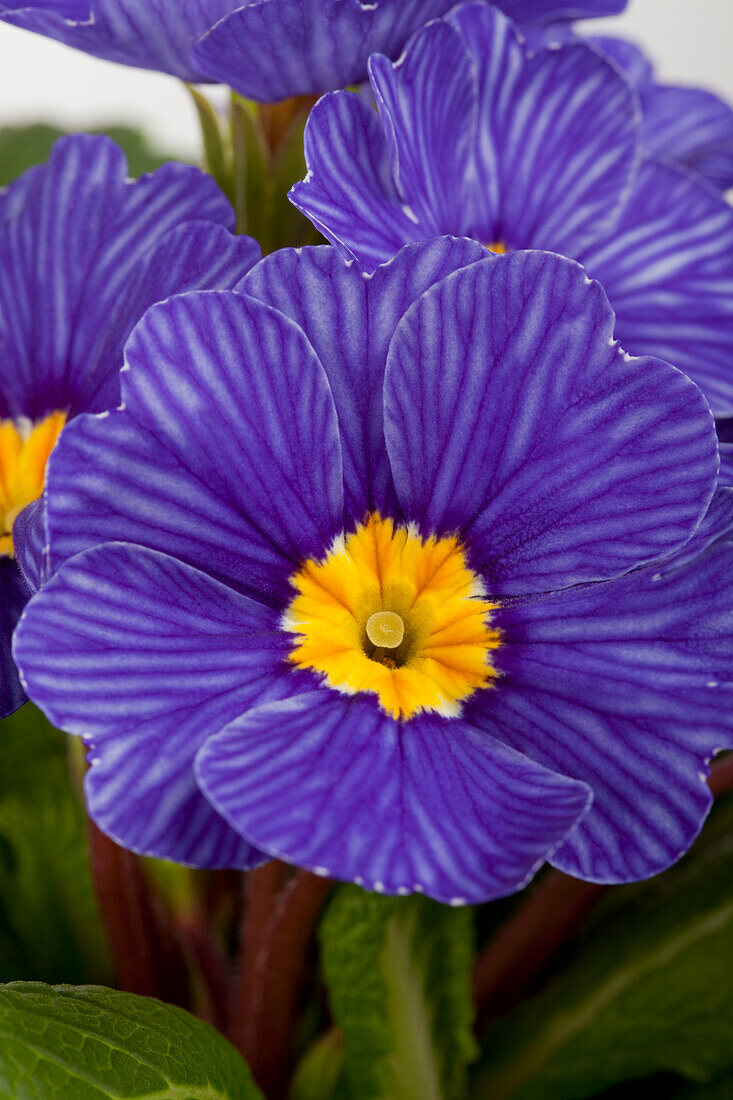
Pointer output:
x,y
23,146
648,989
398,975
49,923
89,1043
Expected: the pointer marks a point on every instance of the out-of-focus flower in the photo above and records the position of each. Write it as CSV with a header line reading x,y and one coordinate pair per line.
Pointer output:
x,y
266,49
691,127
408,579
83,252
476,137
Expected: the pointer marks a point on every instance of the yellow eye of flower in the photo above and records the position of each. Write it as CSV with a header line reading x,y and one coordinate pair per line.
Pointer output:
x,y
498,248
24,451
396,615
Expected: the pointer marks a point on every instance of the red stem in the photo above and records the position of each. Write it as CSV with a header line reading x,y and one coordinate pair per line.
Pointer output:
x,y
523,947
278,930
145,949
721,775
518,955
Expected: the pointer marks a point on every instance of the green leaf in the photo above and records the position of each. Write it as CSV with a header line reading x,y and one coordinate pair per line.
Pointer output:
x,y
21,147
398,975
648,989
89,1043
320,1069
49,923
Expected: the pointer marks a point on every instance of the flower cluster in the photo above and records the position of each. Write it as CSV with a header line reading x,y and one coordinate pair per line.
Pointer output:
x,y
404,558
265,49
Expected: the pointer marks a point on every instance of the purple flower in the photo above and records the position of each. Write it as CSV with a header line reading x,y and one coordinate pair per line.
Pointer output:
x,y
83,252
687,126
474,137
344,582
266,49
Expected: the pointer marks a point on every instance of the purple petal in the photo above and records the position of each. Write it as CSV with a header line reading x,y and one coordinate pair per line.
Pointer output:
x,y
427,103
557,138
349,193
333,784
197,255
667,267
544,11
13,597
78,11
73,276
279,48
145,658
497,379
629,57
528,152
29,544
226,454
349,319
726,463
691,127
148,35
626,686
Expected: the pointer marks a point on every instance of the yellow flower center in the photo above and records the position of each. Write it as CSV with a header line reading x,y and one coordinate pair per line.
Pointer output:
x,y
397,615
498,247
24,451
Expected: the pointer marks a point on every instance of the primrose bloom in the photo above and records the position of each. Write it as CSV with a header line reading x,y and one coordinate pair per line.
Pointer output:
x,y
265,49
688,126
83,252
343,581
477,137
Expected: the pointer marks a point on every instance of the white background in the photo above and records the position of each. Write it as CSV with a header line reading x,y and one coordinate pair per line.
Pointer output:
x,y
691,42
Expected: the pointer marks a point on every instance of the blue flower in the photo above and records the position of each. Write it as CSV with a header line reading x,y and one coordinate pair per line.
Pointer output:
x,y
687,126
343,581
83,252
476,137
266,49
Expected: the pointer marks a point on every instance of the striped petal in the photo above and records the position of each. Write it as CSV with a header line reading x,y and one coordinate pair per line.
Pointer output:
x,y
332,784
78,266
484,140
497,379
557,138
349,319
667,267
427,101
196,255
629,57
279,48
349,193
532,12
29,545
725,435
226,453
726,464
77,11
13,597
148,35
627,687
691,127
144,658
